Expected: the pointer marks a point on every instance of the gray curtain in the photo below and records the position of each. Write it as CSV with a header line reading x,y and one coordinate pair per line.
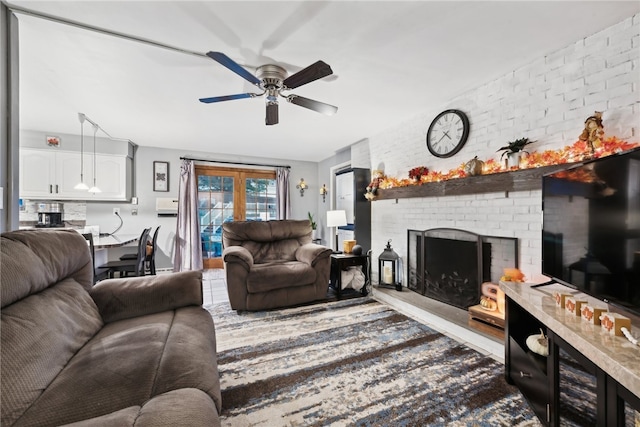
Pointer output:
x,y
188,249
283,198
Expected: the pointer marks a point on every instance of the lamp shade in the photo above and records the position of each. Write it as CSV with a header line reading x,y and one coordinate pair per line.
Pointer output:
x,y
336,218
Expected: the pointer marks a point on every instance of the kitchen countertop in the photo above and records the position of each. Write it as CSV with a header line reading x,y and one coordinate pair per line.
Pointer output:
x,y
618,357
102,242
114,241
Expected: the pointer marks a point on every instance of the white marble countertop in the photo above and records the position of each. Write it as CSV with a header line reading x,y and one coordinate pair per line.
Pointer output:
x,y
114,241
617,356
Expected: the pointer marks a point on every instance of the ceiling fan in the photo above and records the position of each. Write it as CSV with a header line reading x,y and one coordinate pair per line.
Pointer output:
x,y
273,80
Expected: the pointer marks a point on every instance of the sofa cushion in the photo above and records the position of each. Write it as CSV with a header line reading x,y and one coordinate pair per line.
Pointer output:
x,y
189,358
278,275
128,362
40,335
186,407
32,260
268,240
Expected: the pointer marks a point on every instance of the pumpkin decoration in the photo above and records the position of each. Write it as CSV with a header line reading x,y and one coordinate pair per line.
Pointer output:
x,y
539,344
512,275
474,166
488,304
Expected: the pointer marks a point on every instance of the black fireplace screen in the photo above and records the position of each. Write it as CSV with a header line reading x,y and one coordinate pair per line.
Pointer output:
x,y
450,265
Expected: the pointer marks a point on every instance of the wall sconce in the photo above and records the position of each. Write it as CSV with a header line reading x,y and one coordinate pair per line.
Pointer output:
x,y
302,186
323,192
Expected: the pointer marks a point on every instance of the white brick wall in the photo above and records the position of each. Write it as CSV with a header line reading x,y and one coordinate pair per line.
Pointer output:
x,y
548,101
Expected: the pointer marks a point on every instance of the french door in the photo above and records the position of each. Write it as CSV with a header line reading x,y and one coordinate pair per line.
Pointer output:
x,y
230,194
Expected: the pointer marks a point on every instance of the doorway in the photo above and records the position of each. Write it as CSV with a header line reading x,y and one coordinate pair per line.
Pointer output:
x,y
231,194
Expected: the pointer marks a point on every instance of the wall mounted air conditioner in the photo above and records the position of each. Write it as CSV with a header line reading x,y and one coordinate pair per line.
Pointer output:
x,y
166,206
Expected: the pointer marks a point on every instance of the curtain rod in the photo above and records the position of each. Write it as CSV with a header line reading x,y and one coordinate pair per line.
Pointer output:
x,y
235,163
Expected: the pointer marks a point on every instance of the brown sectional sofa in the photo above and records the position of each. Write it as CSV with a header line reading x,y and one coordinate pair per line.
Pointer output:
x,y
271,264
135,351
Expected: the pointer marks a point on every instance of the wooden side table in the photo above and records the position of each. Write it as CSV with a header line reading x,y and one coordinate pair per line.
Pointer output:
x,y
339,263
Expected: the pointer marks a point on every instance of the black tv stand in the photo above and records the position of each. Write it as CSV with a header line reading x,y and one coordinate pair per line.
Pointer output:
x,y
588,378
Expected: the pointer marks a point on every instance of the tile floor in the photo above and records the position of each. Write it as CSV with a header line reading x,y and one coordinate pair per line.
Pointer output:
x,y
444,318
214,288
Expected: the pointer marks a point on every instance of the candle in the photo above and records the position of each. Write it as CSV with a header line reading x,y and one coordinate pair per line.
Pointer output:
x,y
388,277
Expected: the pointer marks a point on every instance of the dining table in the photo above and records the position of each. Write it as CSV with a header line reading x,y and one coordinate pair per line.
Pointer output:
x,y
114,240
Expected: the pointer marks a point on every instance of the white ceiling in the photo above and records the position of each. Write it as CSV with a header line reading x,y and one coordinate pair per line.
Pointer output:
x,y
391,60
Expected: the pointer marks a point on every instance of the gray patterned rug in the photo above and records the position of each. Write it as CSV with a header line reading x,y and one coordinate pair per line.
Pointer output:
x,y
357,363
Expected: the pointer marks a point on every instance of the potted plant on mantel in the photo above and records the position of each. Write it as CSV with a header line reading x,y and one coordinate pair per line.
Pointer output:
x,y
514,150
314,226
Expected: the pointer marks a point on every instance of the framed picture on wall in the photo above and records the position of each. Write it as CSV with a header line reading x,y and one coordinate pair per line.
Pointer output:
x,y
160,176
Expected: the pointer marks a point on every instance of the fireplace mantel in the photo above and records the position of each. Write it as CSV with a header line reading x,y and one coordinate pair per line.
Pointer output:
x,y
519,180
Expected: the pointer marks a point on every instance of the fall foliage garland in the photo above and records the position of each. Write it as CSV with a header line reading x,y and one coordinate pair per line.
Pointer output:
x,y
579,151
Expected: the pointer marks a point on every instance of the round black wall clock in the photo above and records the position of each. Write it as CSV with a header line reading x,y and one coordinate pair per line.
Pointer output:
x,y
447,133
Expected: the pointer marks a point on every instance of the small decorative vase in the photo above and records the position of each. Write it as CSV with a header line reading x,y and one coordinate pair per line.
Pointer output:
x,y
513,159
314,234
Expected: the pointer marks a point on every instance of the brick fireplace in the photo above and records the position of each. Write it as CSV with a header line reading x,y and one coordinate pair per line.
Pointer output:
x,y
516,215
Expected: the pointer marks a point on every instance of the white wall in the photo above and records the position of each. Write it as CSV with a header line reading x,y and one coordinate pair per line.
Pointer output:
x,y
548,101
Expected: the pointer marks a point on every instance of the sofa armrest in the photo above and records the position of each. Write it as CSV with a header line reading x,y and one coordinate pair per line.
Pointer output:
x,y
238,255
310,253
136,296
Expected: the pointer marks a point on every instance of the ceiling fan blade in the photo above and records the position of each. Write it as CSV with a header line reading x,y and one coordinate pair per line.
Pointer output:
x,y
224,60
313,72
228,97
272,114
318,106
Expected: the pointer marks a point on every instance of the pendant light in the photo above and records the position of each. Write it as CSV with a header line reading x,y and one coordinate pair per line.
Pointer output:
x,y
81,185
95,188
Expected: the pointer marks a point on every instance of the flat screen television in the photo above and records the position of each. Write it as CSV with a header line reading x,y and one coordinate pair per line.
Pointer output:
x,y
591,228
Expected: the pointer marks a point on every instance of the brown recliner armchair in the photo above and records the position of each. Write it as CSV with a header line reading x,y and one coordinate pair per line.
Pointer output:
x,y
271,264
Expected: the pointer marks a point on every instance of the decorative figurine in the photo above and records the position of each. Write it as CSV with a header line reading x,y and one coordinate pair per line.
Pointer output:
x,y
372,188
593,132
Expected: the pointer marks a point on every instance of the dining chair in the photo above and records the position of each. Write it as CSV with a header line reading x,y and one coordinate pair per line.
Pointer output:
x,y
133,255
131,267
98,273
152,247
151,258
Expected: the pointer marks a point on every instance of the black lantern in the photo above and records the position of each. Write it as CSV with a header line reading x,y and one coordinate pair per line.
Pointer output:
x,y
390,268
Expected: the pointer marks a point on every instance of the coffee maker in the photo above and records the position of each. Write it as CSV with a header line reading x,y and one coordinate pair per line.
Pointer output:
x,y
50,215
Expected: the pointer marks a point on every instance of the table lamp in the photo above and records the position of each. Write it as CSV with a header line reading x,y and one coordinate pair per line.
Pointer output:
x,y
336,219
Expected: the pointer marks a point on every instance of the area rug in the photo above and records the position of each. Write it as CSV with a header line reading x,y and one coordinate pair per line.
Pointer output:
x,y
355,363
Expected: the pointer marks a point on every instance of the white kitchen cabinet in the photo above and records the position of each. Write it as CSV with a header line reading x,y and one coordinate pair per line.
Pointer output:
x,y
52,175
111,178
37,173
